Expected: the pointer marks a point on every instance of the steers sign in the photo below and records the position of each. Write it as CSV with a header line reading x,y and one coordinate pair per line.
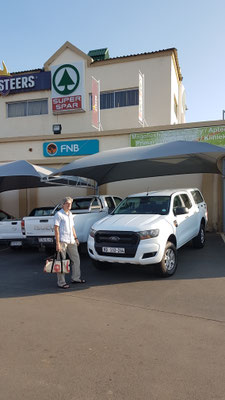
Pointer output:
x,y
68,94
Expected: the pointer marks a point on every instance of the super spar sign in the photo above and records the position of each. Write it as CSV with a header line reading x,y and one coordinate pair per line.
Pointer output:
x,y
68,85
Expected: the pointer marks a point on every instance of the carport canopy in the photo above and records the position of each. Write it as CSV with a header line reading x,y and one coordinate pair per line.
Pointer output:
x,y
22,174
173,158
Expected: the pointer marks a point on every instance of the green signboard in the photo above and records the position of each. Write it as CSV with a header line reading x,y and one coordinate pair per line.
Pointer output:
x,y
211,134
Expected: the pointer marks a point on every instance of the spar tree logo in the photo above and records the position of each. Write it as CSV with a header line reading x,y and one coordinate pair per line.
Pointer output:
x,y
66,79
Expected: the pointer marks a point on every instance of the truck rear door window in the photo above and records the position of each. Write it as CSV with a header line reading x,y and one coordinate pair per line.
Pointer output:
x,y
186,201
197,196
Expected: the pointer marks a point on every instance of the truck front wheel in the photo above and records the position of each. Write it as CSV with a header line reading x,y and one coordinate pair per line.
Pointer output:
x,y
168,264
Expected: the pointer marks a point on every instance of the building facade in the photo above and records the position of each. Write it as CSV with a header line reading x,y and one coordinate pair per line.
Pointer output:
x,y
34,104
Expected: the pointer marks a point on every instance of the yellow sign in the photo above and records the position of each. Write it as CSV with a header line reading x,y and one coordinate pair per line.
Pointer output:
x,y
4,71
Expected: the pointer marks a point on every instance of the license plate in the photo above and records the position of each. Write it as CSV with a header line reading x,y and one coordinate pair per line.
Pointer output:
x,y
117,250
16,243
45,240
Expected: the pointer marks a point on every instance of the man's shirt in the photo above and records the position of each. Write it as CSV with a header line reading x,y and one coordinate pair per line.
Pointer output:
x,y
65,223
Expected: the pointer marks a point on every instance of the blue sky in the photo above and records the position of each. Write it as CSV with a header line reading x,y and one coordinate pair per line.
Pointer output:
x,y
31,31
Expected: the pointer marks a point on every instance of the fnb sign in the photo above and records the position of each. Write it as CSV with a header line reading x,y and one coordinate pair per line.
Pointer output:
x,y
68,88
67,103
70,148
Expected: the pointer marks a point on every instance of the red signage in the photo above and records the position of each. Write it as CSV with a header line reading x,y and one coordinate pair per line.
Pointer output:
x,y
70,103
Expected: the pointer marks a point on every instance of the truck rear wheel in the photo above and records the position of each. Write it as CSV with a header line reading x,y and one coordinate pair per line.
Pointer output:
x,y
168,264
199,240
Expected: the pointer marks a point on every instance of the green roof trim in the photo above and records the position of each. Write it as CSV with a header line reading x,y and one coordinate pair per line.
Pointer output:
x,y
99,54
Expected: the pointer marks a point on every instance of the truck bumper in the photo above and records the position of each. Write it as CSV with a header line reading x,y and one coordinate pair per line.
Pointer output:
x,y
41,241
148,252
16,243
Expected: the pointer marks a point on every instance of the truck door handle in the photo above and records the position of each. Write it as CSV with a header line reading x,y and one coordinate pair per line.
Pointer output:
x,y
43,220
13,223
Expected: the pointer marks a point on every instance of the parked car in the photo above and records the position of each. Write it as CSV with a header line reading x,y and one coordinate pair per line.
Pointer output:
x,y
149,228
10,230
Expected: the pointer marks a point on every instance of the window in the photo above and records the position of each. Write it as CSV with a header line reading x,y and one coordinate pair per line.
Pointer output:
x,y
95,204
197,196
126,98
110,203
4,216
144,205
117,200
41,212
107,100
176,203
27,108
118,98
186,201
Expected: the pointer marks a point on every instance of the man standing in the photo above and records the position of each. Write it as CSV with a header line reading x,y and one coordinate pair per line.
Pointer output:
x,y
67,242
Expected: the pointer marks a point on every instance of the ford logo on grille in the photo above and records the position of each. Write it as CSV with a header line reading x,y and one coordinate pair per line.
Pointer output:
x,y
114,238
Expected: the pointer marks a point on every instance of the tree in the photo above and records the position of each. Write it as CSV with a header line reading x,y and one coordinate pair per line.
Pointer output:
x,y
66,81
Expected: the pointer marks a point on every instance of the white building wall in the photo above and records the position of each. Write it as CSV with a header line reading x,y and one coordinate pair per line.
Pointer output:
x,y
118,75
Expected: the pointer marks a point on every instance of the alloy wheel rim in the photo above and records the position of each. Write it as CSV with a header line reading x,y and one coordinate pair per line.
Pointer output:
x,y
202,236
170,260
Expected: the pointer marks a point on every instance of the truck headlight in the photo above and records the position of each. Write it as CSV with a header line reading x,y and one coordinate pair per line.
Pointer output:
x,y
148,234
92,232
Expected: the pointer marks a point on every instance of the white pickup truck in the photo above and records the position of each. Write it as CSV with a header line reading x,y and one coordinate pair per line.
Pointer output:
x,y
10,230
39,230
148,228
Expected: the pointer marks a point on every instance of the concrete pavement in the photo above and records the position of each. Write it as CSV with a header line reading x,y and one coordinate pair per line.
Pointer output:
x,y
126,334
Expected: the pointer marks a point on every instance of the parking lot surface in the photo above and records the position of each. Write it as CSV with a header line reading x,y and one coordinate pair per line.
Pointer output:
x,y
125,334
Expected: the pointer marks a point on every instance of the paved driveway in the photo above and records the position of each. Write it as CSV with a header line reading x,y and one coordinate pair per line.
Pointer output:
x,y
126,334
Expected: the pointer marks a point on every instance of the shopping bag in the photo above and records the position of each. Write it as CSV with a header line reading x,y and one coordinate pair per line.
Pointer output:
x,y
48,265
56,264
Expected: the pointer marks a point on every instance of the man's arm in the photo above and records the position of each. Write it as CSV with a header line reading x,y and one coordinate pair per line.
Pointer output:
x,y
75,236
58,247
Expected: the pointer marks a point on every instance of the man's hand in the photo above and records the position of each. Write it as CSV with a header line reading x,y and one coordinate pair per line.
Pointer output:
x,y
58,247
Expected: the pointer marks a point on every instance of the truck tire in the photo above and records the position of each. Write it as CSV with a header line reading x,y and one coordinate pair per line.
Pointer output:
x,y
168,264
101,265
199,240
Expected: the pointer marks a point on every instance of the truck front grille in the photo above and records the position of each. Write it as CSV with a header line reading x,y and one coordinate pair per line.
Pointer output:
x,y
116,240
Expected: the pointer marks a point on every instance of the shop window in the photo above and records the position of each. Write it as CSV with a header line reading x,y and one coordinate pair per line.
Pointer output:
x,y
27,108
126,98
117,98
107,100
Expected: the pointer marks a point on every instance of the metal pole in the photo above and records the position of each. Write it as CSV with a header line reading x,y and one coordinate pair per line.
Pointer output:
x,y
223,114
223,192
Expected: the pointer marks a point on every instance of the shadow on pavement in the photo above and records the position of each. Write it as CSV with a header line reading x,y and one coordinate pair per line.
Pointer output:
x,y
22,271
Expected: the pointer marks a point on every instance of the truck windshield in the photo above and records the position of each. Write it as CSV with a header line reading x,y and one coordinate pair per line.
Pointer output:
x,y
144,205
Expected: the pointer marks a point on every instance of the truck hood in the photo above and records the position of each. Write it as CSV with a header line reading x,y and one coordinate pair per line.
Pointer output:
x,y
129,222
